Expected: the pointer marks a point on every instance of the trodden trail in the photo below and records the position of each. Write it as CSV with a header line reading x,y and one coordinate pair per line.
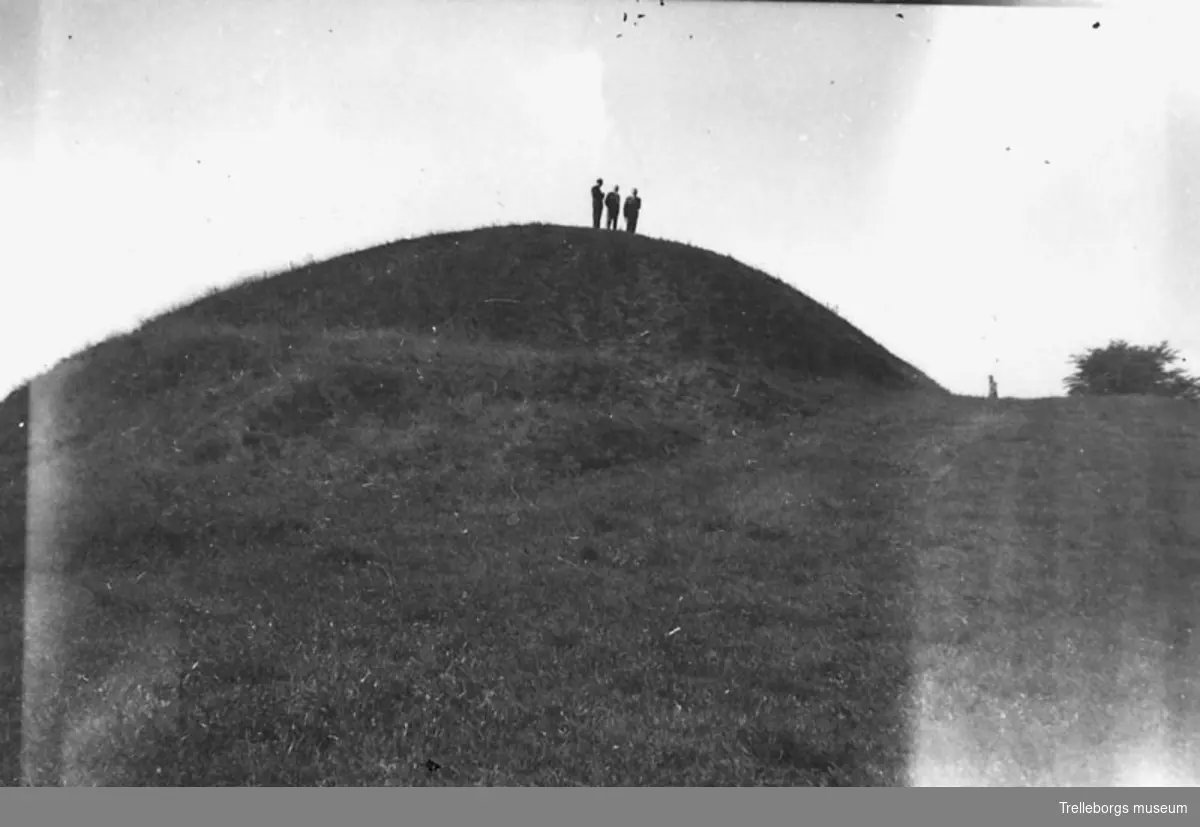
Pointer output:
x,y
1056,580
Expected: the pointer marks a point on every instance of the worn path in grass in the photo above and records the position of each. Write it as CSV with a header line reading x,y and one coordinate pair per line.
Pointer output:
x,y
1059,583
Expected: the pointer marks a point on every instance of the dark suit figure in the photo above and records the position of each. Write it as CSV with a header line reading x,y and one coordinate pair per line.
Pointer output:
x,y
597,203
633,205
613,202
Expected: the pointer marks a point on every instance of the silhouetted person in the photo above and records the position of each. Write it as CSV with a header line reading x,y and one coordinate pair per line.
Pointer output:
x,y
992,392
633,206
597,203
613,202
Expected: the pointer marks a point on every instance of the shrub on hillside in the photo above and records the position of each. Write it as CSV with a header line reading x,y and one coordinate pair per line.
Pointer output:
x,y
1120,368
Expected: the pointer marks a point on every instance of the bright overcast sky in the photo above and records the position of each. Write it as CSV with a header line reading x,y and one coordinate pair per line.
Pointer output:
x,y
895,168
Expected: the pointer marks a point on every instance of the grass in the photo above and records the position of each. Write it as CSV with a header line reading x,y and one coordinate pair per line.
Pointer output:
x,y
655,519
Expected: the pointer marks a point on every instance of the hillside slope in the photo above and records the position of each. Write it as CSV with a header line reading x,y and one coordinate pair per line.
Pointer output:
x,y
256,492
596,314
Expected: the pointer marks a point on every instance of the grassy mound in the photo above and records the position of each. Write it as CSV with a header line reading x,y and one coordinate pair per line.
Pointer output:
x,y
527,505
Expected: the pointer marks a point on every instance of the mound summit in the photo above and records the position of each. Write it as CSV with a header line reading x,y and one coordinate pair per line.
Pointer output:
x,y
561,287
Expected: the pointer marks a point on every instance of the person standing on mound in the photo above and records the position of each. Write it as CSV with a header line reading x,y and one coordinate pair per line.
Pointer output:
x,y
597,203
613,202
633,205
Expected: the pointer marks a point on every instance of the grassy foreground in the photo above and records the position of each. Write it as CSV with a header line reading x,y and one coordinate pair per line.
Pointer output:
x,y
303,553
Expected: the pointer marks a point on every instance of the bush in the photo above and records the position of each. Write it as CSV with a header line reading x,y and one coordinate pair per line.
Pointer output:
x,y
1123,369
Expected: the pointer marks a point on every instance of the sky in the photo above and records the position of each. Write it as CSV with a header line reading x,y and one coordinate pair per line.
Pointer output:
x,y
982,190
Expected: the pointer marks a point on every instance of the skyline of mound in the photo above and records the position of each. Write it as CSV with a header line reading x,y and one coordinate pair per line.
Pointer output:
x,y
512,283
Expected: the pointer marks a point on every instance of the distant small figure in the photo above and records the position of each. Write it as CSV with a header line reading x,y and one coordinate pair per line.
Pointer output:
x,y
992,393
613,202
633,206
597,203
